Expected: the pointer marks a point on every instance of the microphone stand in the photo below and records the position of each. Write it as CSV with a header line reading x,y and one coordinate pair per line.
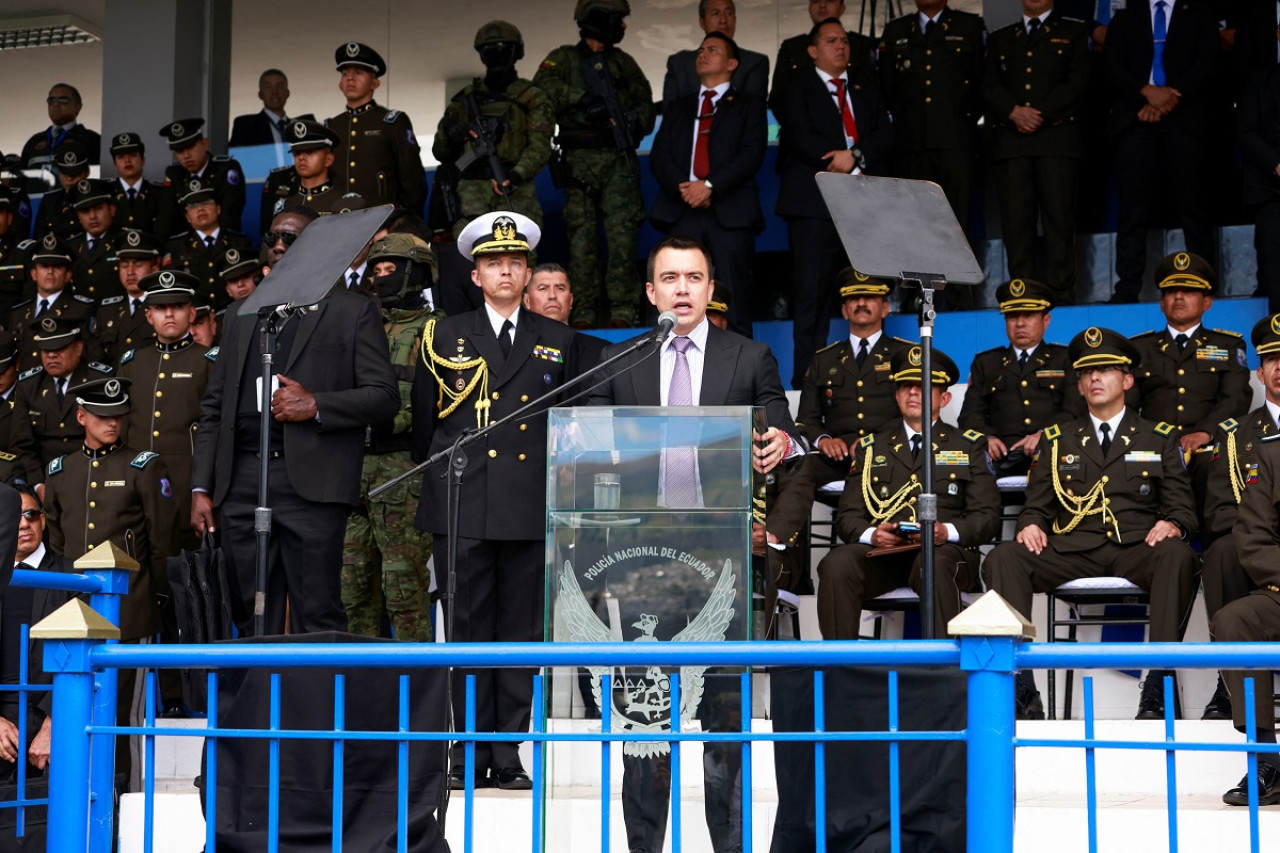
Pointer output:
x,y
275,317
457,467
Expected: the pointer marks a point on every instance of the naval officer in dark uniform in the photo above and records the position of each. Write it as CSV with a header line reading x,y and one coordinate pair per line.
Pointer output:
x,y
190,149
880,495
1015,391
474,368
378,155
1035,80
1108,495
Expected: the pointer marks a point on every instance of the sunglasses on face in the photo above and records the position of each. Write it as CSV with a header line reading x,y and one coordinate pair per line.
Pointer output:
x,y
32,514
288,237
57,99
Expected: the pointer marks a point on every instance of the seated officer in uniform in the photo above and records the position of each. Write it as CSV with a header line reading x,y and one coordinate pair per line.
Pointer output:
x,y
1108,496
1192,377
1256,616
847,394
1017,390
1235,466
50,267
878,508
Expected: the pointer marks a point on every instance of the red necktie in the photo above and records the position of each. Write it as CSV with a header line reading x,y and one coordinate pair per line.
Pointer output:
x,y
702,148
846,114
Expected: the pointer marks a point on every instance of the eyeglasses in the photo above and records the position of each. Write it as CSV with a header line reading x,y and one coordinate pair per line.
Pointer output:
x,y
32,514
271,237
57,99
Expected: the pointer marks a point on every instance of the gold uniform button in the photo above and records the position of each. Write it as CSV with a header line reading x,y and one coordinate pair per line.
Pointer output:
x,y
165,356
1109,534
524,398
159,393
521,457
495,395
953,475
160,375
859,399
928,100
1028,87
928,82
859,415
1026,402
1028,71
353,164
1144,473
353,133
93,504
157,414
1181,371
493,454
1027,421
859,383
1179,409
523,427
62,426
1106,479
95,463
93,485
1182,390
91,525
156,433
1024,383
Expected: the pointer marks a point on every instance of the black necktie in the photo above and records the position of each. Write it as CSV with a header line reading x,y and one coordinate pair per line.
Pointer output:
x,y
44,306
915,447
61,385
26,567
133,194
208,241
134,305
1181,340
1022,360
504,338
1032,26
928,28
353,280
1105,429
861,357
88,243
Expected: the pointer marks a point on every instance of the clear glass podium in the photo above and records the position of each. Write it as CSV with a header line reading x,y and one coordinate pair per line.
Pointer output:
x,y
649,515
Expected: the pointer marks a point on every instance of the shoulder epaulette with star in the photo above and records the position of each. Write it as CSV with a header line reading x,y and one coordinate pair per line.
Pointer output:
x,y
128,356
35,371
111,300
212,354
867,440
973,435
56,465
1052,431
100,367
142,459
88,300
391,116
1229,426
1146,334
830,346
1163,428
1228,332
222,158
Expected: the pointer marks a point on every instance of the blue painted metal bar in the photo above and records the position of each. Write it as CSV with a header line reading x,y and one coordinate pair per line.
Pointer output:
x,y
273,769
69,772
149,763
20,763
211,769
402,772
1090,767
606,757
339,771
895,779
744,711
990,662
539,723
112,585
1251,762
676,810
1170,766
906,653
32,579
469,789
820,761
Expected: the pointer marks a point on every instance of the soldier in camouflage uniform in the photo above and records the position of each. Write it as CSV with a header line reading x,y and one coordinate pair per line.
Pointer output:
x,y
602,175
381,539
522,121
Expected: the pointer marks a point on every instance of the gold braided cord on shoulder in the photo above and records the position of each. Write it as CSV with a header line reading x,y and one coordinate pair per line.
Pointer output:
x,y
1094,502
1233,467
883,510
480,379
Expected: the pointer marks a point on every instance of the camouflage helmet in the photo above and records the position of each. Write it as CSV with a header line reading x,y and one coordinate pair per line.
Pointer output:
x,y
406,247
622,7
498,31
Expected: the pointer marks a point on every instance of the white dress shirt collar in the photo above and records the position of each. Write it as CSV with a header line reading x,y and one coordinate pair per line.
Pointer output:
x,y
496,320
1114,422
34,559
1190,333
872,340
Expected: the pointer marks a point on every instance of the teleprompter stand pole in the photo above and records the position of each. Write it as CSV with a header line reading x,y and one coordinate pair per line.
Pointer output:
x,y
927,506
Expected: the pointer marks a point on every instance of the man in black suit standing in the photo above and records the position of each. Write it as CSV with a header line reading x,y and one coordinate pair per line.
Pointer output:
x,y
1161,56
793,55
705,158
267,126
475,368
334,378
834,124
698,365
683,77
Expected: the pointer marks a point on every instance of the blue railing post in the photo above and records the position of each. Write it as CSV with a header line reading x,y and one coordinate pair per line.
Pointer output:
x,y
111,567
989,632
69,634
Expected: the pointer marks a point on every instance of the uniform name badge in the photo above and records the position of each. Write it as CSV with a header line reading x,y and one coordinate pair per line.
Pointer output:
x,y
1142,456
257,397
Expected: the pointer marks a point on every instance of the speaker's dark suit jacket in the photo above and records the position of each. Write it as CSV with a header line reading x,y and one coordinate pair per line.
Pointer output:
x,y
339,354
736,371
739,135
1190,56
751,76
811,126
255,129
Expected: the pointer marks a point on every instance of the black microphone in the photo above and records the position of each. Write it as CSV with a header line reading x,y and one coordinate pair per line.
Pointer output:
x,y
666,322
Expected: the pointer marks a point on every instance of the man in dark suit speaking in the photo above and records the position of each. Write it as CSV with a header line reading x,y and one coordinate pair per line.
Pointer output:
x,y
698,365
705,158
334,378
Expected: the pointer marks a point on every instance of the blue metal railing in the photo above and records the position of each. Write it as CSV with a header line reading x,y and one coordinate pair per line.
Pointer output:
x,y
990,737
